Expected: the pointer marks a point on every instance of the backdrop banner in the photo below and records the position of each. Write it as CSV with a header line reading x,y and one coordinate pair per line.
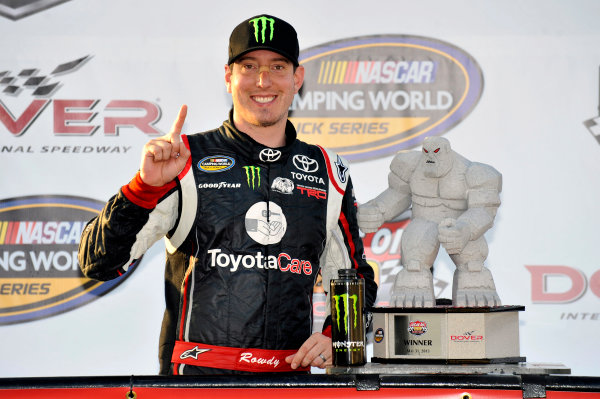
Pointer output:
x,y
84,85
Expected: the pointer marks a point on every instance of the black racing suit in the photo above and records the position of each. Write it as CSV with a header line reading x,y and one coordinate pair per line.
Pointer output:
x,y
245,226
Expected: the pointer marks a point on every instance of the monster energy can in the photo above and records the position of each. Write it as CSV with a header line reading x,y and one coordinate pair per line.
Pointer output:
x,y
348,319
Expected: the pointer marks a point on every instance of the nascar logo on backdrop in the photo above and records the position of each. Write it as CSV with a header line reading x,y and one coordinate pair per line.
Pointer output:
x,y
371,96
39,272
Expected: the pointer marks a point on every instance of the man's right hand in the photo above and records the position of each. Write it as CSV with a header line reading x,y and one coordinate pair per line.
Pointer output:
x,y
163,158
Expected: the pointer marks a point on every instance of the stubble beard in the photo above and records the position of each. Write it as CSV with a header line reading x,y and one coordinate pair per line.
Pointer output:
x,y
266,124
269,121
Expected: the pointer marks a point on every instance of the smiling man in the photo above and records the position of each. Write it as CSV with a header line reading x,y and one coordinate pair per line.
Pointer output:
x,y
248,211
262,86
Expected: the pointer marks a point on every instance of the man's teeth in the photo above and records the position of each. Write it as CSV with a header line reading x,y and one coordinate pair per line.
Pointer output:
x,y
264,99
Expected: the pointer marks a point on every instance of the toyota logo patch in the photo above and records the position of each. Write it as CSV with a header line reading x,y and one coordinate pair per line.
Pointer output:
x,y
305,164
269,155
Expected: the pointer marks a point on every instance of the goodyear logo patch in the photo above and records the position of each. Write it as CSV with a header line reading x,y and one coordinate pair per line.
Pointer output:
x,y
39,271
216,163
373,96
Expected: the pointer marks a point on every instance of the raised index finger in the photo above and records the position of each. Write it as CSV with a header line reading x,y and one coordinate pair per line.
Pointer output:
x,y
175,132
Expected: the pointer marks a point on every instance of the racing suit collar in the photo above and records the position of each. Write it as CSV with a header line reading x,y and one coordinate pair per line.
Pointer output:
x,y
251,149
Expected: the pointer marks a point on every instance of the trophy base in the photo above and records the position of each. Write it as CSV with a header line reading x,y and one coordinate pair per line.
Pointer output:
x,y
500,360
447,335
407,368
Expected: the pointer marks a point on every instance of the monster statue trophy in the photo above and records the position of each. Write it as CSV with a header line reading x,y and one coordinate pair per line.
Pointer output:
x,y
454,202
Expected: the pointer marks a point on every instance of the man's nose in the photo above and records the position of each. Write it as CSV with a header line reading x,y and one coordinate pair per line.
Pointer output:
x,y
264,76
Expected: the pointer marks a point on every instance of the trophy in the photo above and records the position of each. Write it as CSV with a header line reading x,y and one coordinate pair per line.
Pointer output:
x,y
453,203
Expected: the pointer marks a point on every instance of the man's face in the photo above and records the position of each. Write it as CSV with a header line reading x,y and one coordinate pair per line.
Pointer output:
x,y
262,84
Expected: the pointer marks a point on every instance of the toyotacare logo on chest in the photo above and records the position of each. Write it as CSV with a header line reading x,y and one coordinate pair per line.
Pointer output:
x,y
284,262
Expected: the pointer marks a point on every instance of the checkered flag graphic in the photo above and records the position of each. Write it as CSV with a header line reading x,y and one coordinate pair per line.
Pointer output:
x,y
17,9
593,124
42,85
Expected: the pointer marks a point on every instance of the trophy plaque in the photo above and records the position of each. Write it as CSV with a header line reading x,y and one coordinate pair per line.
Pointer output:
x,y
446,335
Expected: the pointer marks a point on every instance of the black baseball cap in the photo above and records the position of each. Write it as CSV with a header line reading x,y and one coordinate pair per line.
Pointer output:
x,y
264,32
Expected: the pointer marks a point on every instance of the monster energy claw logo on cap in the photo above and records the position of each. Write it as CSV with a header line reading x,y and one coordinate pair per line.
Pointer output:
x,y
264,32
262,24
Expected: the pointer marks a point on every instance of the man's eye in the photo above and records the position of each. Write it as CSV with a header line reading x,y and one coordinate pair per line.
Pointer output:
x,y
279,68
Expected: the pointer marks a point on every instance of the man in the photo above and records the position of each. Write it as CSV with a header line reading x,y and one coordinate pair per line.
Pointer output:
x,y
247,210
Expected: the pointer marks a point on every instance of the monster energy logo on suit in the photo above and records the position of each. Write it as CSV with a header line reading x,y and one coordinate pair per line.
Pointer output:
x,y
347,319
252,176
263,28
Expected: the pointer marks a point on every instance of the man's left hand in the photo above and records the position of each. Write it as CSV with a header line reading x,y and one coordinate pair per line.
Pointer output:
x,y
315,352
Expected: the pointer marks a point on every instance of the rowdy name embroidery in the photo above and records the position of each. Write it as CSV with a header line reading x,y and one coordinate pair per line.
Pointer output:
x,y
248,357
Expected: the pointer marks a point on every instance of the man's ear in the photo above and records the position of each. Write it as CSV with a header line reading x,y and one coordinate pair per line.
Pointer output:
x,y
228,72
298,77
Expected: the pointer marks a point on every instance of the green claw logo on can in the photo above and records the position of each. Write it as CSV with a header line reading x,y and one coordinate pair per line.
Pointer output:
x,y
344,299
